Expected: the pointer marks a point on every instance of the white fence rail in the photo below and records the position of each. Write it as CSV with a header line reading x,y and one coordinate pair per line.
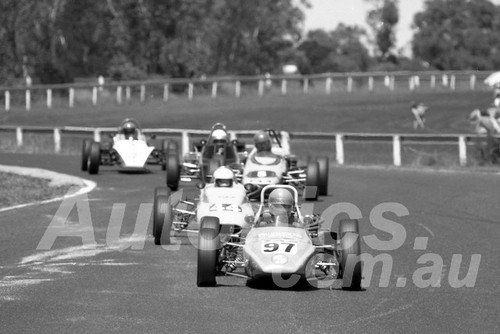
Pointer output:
x,y
460,140
345,82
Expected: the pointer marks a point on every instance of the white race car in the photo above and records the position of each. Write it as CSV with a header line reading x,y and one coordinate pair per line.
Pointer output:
x,y
128,148
271,162
222,199
281,248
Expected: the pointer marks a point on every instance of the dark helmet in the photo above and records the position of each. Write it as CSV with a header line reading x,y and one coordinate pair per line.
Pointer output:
x,y
129,127
280,202
262,141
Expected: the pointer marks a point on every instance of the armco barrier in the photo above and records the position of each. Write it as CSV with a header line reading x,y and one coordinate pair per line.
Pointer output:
x,y
460,140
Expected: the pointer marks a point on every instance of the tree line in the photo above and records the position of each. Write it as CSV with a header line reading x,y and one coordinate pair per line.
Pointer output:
x,y
59,40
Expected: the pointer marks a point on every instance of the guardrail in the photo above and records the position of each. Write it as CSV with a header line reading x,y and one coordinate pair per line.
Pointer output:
x,y
349,81
460,140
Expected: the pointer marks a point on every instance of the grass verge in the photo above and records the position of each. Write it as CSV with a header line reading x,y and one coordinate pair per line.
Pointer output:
x,y
17,189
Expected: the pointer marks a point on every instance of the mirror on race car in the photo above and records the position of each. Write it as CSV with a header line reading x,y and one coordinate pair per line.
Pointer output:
x,y
200,185
308,220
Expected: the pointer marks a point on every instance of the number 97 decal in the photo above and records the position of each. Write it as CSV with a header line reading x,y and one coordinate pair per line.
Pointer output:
x,y
279,247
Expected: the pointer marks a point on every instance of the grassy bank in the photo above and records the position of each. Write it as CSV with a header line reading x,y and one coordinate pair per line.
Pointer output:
x,y
376,112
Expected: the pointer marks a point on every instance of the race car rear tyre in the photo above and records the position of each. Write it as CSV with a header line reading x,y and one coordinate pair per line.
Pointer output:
x,y
208,245
348,225
162,220
350,261
324,166
159,191
85,154
312,178
94,158
173,170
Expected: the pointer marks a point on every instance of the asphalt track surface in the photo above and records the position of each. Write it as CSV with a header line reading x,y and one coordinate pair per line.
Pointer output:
x,y
75,288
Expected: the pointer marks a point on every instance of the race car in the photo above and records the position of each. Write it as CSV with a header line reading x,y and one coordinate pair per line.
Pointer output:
x,y
271,162
281,244
223,198
217,150
128,148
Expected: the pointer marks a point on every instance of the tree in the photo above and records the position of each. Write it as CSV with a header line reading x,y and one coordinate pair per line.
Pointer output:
x,y
458,35
340,50
382,20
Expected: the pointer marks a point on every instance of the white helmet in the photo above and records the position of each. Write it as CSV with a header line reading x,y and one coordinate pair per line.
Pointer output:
x,y
223,177
280,202
497,102
219,136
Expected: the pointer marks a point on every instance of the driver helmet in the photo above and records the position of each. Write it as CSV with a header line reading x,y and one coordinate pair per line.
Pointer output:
x,y
219,136
129,127
262,141
280,202
496,103
223,177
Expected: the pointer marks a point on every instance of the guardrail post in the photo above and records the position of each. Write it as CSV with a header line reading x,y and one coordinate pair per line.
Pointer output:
x,y
237,89
370,84
214,89
185,143
261,88
71,97
283,86
94,96
28,99
472,82
97,135
7,100
433,81
349,84
452,82
411,83
119,95
19,136
190,91
143,93
49,98
328,85
396,150
305,85
128,94
339,148
165,92
462,150
57,140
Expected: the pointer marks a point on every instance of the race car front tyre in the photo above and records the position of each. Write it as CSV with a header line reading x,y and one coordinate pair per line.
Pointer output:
x,y
159,191
94,158
168,147
173,170
85,154
350,261
162,220
208,245
312,179
324,166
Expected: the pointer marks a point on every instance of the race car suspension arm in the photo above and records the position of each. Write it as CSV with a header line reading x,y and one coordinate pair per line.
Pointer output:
x,y
233,244
236,275
191,213
325,247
